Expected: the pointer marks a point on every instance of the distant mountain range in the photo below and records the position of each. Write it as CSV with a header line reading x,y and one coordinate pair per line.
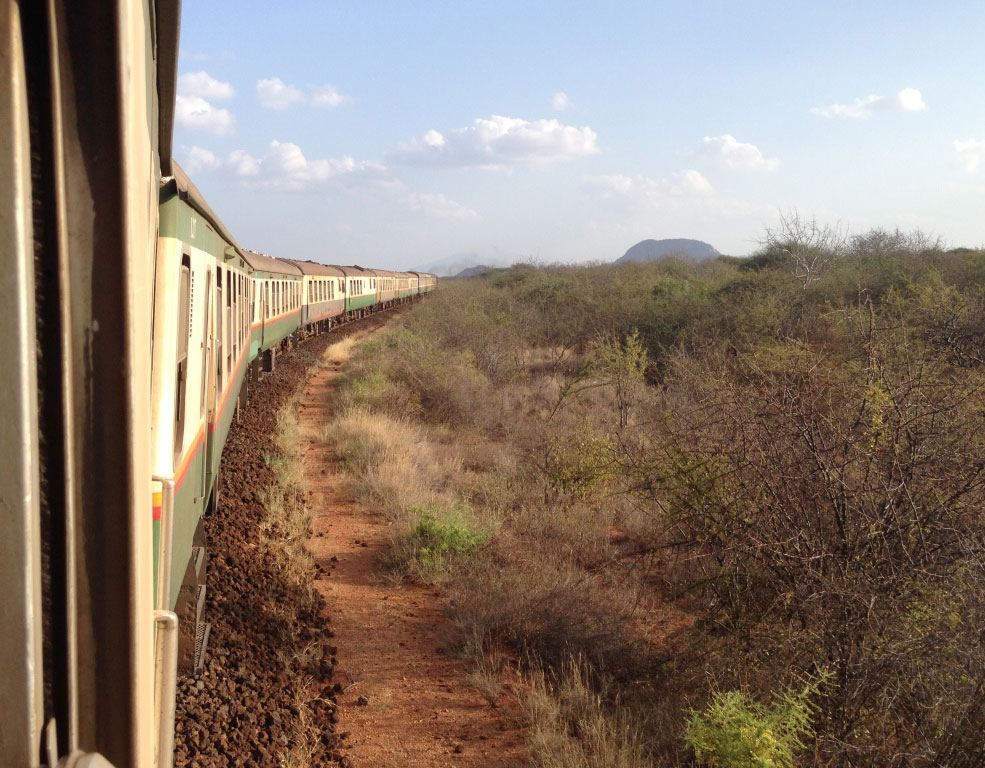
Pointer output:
x,y
474,263
452,265
651,250
478,269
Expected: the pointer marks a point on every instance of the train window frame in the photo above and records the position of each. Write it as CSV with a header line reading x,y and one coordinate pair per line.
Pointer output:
x,y
181,355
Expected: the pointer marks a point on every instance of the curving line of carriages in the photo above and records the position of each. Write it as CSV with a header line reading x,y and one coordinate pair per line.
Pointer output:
x,y
221,313
133,325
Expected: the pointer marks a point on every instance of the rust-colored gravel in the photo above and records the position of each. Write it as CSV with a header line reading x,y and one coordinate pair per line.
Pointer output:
x,y
241,710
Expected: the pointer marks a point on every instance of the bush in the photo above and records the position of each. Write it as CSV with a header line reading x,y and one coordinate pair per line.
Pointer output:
x,y
737,732
441,535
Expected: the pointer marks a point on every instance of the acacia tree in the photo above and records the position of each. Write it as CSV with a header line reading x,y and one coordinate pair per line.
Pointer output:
x,y
807,245
827,513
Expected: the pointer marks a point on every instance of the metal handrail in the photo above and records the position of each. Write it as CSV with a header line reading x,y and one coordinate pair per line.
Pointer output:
x,y
166,685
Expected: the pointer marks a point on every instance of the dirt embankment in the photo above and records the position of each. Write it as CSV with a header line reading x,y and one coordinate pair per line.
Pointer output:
x,y
244,708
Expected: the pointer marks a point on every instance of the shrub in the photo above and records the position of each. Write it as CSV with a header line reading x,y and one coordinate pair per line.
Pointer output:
x,y
736,731
580,464
440,535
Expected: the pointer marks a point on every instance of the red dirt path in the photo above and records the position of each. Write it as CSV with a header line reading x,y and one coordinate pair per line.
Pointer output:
x,y
405,702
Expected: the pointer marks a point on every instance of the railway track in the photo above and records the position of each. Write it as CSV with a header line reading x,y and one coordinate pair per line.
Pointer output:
x,y
242,709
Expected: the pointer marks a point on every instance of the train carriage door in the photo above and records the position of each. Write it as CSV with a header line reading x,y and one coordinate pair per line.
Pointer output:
x,y
220,310
264,310
208,372
229,324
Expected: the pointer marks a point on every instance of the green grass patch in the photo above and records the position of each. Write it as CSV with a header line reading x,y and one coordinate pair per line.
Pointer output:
x,y
442,534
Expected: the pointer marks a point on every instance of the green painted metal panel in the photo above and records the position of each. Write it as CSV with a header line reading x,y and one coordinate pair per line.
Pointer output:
x,y
359,302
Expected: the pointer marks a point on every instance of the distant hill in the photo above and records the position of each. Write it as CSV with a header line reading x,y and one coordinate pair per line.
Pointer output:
x,y
452,265
479,269
650,250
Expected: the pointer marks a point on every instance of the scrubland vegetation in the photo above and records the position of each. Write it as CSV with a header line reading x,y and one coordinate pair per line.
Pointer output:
x,y
724,514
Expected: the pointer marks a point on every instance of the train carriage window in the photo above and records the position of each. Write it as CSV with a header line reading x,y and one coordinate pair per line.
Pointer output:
x,y
181,369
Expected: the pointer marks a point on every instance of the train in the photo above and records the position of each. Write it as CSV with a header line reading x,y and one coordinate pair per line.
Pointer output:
x,y
221,314
134,324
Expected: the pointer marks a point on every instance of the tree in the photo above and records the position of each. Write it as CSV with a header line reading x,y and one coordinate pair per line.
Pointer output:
x,y
808,246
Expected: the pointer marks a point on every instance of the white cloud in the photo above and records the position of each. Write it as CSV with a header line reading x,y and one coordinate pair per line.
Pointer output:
x,y
685,193
325,96
241,163
285,167
196,159
907,100
437,206
911,100
203,85
680,184
969,152
433,139
727,150
560,102
196,114
274,93
500,143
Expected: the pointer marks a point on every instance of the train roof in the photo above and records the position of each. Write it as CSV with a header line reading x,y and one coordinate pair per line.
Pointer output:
x,y
264,263
384,273
309,267
356,271
166,28
183,187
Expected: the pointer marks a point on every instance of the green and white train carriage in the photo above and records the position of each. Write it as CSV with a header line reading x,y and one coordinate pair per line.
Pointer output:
x,y
360,290
202,297
405,285
323,293
426,282
277,304
386,287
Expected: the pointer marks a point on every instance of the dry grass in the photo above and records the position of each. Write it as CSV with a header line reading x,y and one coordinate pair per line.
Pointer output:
x,y
393,461
571,728
304,730
486,677
283,536
285,530
542,585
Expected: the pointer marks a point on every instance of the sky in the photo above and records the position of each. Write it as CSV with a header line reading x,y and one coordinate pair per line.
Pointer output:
x,y
400,134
